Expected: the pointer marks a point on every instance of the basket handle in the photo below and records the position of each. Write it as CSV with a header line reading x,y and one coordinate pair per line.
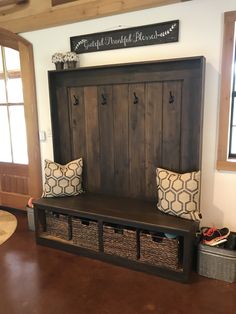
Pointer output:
x,y
157,239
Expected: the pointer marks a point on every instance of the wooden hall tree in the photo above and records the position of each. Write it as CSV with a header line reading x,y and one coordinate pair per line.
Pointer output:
x,y
18,181
126,120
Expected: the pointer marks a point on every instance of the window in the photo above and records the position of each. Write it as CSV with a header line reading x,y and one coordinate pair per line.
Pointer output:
x,y
232,143
227,122
13,141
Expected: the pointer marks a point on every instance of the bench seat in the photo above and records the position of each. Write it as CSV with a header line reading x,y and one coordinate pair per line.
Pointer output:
x,y
131,213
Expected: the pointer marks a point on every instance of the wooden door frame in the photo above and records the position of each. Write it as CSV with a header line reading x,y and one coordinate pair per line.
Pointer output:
x,y
9,39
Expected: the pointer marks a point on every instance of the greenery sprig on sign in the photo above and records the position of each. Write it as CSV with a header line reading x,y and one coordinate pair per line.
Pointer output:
x,y
153,34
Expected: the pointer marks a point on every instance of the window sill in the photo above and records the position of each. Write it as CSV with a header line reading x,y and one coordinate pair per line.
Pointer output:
x,y
226,165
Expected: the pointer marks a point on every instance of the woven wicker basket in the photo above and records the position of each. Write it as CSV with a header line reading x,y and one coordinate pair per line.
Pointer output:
x,y
85,233
58,225
159,251
120,241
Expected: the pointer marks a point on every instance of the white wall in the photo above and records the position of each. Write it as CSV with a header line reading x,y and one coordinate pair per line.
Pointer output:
x,y
201,32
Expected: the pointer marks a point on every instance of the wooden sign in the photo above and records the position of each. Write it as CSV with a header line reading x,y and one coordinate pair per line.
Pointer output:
x,y
153,34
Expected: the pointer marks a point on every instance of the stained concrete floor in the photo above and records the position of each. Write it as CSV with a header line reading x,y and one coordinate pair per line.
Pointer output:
x,y
40,280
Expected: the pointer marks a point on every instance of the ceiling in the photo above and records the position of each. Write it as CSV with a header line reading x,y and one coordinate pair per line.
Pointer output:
x,y
27,15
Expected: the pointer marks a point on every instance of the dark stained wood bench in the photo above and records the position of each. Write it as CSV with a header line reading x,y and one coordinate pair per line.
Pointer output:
x,y
124,121
141,215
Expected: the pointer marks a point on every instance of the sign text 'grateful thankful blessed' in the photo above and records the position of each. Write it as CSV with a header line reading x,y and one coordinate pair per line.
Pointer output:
x,y
154,34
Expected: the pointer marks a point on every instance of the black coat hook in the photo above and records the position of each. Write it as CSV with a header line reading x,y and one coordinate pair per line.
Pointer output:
x,y
171,98
104,100
76,101
136,100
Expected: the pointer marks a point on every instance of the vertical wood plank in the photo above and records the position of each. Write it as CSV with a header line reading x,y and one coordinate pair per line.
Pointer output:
x,y
171,140
62,131
121,139
191,122
106,125
153,129
92,139
137,140
77,122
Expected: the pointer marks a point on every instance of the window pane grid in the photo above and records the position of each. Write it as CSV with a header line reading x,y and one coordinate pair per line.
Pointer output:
x,y
13,139
232,143
225,157
234,85
232,137
5,137
3,98
18,134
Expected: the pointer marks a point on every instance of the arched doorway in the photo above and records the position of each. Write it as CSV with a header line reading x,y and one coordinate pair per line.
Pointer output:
x,y
20,164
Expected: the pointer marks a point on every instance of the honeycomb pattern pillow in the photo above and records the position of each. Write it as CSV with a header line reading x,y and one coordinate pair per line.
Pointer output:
x,y
62,180
179,194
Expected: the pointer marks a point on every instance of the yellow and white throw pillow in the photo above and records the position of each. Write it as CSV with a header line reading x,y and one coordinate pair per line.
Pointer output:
x,y
62,180
179,194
